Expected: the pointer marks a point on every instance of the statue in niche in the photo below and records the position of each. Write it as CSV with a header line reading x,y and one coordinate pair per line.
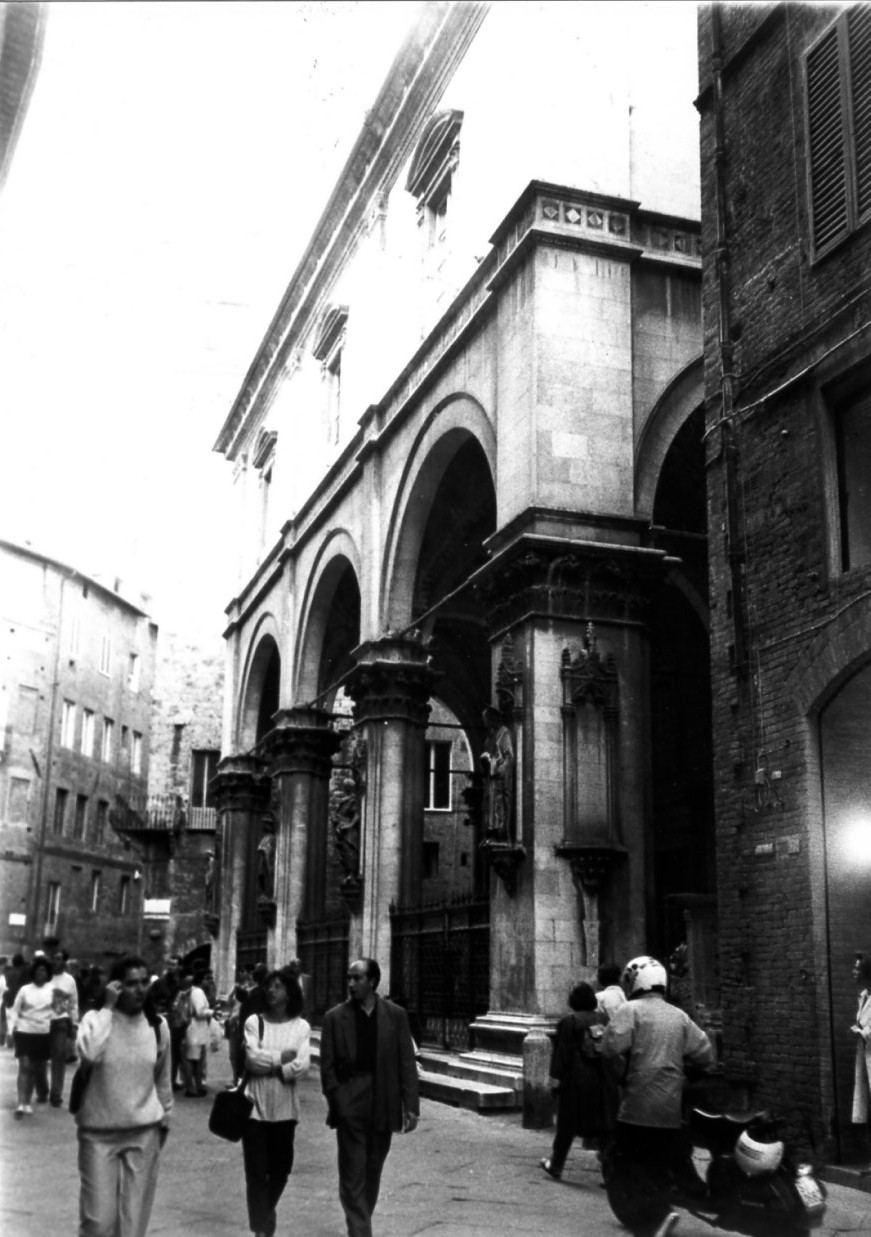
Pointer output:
x,y
498,765
266,860
211,873
346,819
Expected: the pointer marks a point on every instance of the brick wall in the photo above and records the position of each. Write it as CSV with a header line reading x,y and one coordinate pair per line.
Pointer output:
x,y
787,314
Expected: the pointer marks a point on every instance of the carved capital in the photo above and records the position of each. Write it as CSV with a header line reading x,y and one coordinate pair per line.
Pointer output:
x,y
301,742
393,680
351,890
266,910
241,784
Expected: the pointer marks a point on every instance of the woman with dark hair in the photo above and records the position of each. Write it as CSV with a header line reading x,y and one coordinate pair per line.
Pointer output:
x,y
861,1028
577,1077
31,1022
277,1053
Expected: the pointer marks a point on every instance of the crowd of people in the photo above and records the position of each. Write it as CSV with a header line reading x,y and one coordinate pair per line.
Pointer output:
x,y
139,1039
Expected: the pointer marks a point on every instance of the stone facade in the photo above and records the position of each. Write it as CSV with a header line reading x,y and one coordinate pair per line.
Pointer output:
x,y
75,697
472,475
786,375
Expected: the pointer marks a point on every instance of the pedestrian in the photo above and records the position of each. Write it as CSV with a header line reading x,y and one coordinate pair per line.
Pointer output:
x,y
31,1023
654,1041
610,996
253,1001
196,1036
861,1029
4,965
369,1077
123,1117
64,1023
277,1054
578,1079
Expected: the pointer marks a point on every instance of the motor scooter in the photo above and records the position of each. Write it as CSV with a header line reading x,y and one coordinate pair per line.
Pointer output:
x,y
750,1184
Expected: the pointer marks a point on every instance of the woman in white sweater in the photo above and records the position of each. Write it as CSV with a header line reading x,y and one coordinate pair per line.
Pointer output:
x,y
31,1023
277,1053
123,1117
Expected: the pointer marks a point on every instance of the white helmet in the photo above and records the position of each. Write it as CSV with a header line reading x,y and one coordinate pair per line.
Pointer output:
x,y
642,974
755,1158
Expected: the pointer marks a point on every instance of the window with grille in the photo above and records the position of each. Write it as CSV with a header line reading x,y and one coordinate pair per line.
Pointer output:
x,y
204,766
438,776
838,86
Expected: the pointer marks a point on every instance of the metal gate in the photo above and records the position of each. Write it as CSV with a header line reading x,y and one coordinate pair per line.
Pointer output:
x,y
323,952
440,968
250,947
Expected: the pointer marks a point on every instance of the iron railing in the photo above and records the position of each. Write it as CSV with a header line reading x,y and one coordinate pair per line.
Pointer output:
x,y
323,954
440,968
160,812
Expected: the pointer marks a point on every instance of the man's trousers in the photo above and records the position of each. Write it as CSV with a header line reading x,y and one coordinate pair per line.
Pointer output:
x,y
118,1170
362,1152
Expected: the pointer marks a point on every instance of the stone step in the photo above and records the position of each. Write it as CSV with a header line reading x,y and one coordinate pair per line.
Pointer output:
x,y
489,1085
505,1073
467,1093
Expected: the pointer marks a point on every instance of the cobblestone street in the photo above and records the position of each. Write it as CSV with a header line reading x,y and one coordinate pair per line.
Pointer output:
x,y
458,1175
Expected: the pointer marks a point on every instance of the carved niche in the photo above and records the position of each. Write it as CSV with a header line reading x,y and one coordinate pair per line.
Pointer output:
x,y
591,714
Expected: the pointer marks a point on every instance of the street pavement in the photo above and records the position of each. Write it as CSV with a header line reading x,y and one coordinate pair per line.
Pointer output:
x,y
458,1175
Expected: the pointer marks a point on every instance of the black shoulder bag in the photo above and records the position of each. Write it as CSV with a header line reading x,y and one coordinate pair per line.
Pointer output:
x,y
232,1110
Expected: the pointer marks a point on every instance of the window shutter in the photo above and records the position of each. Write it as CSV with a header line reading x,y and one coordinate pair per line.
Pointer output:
x,y
859,41
828,170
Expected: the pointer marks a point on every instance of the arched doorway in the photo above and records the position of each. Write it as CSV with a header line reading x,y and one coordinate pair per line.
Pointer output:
x,y
683,904
331,628
261,694
440,948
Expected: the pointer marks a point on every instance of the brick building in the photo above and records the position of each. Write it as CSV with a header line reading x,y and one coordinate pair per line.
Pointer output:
x,y
75,706
468,466
786,171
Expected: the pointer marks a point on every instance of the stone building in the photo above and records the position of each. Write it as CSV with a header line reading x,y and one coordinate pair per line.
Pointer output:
x,y
786,171
75,716
469,470
174,830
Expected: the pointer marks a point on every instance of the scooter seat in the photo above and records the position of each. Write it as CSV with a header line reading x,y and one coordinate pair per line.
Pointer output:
x,y
732,1123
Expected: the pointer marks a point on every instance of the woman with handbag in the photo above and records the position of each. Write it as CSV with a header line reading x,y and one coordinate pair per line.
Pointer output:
x,y
277,1053
578,1078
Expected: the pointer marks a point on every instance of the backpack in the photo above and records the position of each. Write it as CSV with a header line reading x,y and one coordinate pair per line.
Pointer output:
x,y
181,1013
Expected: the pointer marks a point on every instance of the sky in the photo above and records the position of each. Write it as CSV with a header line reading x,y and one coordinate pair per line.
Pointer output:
x,y
173,162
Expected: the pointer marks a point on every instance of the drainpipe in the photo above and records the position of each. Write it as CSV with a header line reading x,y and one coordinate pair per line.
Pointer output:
x,y
728,444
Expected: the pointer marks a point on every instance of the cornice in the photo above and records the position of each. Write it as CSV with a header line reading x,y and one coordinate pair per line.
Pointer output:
x,y
417,77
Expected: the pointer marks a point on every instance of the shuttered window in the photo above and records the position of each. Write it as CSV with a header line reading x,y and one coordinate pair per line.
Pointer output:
x,y
838,81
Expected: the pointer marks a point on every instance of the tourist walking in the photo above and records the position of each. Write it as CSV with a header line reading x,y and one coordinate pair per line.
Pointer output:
x,y
196,1036
30,1020
578,1078
369,1077
123,1117
64,1023
861,1030
277,1055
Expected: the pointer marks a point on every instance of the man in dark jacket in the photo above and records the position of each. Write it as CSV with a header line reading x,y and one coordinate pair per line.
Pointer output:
x,y
369,1076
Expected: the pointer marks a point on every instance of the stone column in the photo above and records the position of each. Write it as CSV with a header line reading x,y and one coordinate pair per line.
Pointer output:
x,y
576,878
391,687
241,797
299,751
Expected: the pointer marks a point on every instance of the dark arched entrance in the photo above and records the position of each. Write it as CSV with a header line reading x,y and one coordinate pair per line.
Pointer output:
x,y
683,904
440,963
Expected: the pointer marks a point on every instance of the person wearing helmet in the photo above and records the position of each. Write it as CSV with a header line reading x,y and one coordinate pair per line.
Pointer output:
x,y
655,1040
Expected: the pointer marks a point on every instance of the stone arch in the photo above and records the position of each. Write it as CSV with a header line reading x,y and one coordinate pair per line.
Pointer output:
x,y
448,428
261,683
683,395
839,650
325,637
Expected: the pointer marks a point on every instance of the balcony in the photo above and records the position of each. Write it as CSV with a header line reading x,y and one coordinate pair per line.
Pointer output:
x,y
163,813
